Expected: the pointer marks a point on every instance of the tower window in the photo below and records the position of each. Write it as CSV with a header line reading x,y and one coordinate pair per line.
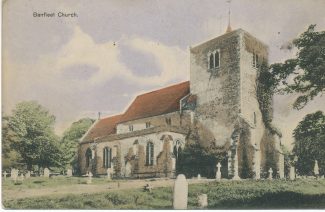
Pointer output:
x,y
211,61
214,59
107,157
150,154
255,60
254,118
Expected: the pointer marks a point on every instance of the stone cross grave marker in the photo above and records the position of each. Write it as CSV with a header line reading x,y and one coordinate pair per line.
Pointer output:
x,y
270,174
292,173
90,177
69,172
218,174
316,168
202,200
46,173
180,192
27,175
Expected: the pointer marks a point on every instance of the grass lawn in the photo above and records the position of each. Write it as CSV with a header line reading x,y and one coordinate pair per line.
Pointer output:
x,y
246,194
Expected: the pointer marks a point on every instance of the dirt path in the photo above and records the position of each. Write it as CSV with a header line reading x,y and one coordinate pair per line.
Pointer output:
x,y
89,188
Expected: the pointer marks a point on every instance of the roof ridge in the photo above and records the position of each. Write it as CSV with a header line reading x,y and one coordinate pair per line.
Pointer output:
x,y
159,89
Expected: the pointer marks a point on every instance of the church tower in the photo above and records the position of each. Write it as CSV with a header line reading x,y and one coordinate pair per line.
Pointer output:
x,y
223,76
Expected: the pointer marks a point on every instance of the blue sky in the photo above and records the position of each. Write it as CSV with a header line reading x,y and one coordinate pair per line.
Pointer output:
x,y
115,50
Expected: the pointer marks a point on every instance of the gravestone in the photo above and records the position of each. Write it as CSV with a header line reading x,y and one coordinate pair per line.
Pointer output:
x,y
14,174
90,177
69,172
316,168
202,200
27,175
46,173
108,171
218,174
5,175
180,192
199,177
292,173
270,174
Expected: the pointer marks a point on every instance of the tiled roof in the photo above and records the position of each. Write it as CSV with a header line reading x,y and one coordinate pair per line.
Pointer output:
x,y
103,127
158,102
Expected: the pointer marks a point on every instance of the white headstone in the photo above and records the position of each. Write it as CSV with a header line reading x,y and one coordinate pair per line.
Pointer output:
x,y
69,172
90,177
14,174
108,171
180,192
218,174
46,172
316,168
202,200
27,175
199,177
5,175
292,173
270,174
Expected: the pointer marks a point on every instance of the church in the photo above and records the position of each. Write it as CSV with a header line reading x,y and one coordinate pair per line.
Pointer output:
x,y
218,108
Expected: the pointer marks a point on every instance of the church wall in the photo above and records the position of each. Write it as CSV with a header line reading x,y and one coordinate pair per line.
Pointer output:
x,y
217,90
125,150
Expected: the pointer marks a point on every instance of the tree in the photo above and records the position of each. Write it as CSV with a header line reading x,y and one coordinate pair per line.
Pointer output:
x,y
35,141
305,74
309,143
10,157
70,140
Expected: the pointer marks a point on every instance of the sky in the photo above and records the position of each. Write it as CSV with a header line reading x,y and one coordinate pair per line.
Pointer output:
x,y
117,49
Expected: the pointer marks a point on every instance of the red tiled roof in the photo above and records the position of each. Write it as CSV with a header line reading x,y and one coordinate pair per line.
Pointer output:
x,y
103,127
157,102
165,100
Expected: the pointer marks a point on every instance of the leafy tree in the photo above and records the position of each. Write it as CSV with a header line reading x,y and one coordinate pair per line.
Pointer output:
x,y
309,143
35,140
305,74
70,140
10,157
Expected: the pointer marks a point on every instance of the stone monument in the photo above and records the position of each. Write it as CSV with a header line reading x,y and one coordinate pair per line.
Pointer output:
x,y
202,200
316,169
292,173
270,174
180,193
46,173
90,177
69,172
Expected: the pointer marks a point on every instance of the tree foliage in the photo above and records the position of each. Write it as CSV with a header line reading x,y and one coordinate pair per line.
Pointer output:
x,y
309,143
70,140
305,74
34,140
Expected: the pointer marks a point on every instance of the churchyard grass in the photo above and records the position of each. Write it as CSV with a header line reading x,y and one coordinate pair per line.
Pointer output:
x,y
245,194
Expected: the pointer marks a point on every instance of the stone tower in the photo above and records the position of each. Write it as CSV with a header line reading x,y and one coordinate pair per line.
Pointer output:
x,y
223,74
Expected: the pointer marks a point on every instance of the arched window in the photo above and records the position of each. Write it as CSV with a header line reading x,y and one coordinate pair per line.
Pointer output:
x,y
211,61
254,118
217,59
177,149
107,157
150,154
88,157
